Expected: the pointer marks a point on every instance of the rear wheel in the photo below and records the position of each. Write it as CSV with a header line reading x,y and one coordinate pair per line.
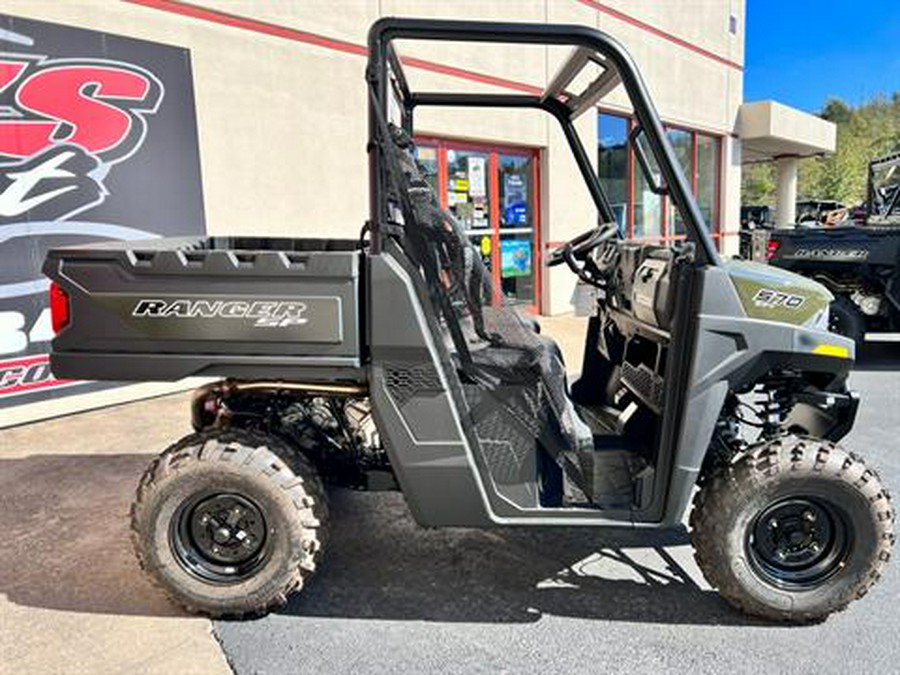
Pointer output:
x,y
229,523
845,319
794,530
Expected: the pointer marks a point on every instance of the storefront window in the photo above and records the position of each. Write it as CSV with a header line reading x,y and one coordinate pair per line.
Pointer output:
x,y
493,193
682,142
428,158
517,256
467,188
698,155
613,164
647,209
707,178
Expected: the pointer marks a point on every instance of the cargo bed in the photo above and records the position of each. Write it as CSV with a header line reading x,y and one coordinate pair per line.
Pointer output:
x,y
242,307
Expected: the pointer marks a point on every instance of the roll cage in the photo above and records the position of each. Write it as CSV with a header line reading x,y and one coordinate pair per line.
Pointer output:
x,y
386,78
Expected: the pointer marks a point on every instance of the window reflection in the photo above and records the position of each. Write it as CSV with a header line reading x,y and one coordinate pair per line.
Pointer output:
x,y
613,165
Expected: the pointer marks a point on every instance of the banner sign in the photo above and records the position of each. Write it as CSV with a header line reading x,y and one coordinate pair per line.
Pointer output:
x,y
98,140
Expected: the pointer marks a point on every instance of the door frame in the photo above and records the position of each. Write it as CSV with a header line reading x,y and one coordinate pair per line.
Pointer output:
x,y
494,150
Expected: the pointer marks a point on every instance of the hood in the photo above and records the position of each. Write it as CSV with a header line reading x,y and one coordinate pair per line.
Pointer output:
x,y
773,294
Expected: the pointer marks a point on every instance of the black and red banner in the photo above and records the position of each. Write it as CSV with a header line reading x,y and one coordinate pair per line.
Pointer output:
x,y
98,140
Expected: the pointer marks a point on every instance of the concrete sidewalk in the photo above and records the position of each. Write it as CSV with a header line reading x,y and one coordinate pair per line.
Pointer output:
x,y
72,599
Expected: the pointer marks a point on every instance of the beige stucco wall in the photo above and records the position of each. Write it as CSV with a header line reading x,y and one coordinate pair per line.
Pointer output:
x,y
282,124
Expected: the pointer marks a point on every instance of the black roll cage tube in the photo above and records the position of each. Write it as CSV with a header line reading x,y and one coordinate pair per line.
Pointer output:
x,y
382,54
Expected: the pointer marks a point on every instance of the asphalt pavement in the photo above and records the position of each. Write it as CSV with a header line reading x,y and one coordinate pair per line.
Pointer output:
x,y
393,597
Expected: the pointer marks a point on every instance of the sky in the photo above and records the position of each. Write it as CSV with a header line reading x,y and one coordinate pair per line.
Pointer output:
x,y
801,52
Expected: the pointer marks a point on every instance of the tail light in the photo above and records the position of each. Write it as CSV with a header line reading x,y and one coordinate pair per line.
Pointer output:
x,y
772,247
59,307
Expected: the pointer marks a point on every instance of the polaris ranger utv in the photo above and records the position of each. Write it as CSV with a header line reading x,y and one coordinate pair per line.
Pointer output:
x,y
379,364
858,263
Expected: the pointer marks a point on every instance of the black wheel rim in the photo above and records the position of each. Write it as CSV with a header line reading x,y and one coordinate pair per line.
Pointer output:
x,y
220,537
798,543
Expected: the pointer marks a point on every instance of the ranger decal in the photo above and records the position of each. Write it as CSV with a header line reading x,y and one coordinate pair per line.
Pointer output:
x,y
265,313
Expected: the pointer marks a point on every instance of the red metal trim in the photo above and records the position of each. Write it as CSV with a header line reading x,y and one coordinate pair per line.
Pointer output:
x,y
630,209
717,210
653,30
536,230
494,205
442,175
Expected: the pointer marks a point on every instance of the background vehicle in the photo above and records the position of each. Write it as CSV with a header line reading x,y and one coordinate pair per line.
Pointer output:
x,y
377,364
858,263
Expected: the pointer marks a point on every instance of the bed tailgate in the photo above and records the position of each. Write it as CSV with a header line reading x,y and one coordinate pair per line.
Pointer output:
x,y
171,308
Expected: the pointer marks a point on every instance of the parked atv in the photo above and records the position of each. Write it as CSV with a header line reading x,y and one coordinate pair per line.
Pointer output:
x,y
859,264
380,364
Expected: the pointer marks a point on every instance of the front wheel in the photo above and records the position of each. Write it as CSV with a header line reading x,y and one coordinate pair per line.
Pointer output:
x,y
794,530
229,523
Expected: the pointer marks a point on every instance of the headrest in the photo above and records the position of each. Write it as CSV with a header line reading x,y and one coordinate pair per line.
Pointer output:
x,y
400,137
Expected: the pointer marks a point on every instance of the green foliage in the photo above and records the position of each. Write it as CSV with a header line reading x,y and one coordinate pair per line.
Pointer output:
x,y
863,133
758,184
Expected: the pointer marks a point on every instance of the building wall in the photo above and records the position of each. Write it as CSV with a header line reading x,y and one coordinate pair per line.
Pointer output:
x,y
281,99
282,121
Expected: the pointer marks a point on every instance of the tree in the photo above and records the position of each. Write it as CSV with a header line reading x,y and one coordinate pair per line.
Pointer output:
x,y
758,184
864,133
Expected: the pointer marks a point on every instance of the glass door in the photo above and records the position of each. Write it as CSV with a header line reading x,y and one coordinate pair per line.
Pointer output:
x,y
468,197
492,191
517,232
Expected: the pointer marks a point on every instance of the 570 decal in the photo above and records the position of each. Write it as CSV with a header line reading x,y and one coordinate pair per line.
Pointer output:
x,y
766,297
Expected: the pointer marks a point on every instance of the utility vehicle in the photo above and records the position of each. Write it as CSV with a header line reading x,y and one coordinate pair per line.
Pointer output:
x,y
380,364
858,263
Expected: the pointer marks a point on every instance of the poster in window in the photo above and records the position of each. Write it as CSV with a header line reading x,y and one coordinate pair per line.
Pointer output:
x,y
515,258
515,200
98,140
477,181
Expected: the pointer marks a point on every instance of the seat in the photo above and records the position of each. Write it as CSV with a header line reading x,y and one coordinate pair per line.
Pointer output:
x,y
507,363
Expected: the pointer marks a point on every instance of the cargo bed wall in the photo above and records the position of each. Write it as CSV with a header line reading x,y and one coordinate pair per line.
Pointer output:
x,y
249,308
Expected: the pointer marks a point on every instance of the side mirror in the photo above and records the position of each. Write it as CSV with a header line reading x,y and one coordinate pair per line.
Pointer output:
x,y
647,160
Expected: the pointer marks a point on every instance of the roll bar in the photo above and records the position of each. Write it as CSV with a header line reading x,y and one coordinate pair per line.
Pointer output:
x,y
590,46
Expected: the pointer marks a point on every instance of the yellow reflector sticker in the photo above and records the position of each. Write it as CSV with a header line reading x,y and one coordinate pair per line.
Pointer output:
x,y
832,350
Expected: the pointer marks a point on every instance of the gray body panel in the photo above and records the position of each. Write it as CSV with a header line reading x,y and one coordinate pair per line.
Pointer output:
x,y
731,351
417,396
168,309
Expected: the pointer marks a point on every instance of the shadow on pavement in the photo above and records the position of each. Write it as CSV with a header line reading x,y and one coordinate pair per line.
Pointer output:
x,y
878,356
65,535
380,565
66,547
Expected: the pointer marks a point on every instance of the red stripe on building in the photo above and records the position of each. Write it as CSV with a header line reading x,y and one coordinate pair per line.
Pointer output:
x,y
653,30
296,35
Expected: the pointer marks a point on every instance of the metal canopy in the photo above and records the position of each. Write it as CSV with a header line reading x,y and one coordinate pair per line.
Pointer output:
x,y
590,46
603,84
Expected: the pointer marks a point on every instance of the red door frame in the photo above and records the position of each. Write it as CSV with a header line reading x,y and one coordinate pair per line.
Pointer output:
x,y
493,151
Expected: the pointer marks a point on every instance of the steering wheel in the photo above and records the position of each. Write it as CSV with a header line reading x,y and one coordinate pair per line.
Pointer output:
x,y
578,249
